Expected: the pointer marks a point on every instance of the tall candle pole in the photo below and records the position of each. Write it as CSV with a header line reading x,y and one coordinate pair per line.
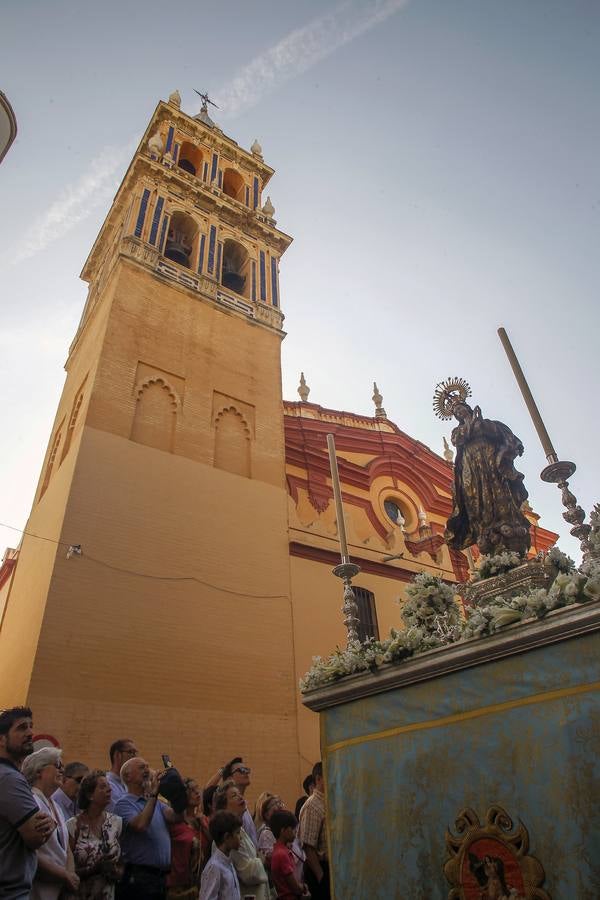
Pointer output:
x,y
346,570
557,471
528,398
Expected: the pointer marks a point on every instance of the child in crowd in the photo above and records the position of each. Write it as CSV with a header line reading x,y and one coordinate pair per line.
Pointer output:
x,y
219,878
283,825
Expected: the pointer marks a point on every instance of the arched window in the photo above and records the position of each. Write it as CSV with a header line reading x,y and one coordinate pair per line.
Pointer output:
x,y
180,239
234,185
232,443
51,459
73,419
155,416
235,266
190,158
71,428
367,614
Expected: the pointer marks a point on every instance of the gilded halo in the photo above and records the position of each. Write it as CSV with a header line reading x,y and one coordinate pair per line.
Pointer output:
x,y
447,394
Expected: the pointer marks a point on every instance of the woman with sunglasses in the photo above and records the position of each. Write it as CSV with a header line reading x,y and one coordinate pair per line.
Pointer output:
x,y
55,872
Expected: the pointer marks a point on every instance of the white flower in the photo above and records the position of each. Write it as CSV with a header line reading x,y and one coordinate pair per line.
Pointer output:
x,y
559,559
432,615
591,588
561,581
506,616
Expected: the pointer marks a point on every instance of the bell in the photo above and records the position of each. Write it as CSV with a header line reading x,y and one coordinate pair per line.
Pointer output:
x,y
176,251
234,281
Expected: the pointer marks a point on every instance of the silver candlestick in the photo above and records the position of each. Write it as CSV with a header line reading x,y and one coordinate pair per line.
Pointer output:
x,y
347,571
557,471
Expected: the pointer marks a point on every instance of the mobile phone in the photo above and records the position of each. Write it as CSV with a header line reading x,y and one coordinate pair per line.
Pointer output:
x,y
166,761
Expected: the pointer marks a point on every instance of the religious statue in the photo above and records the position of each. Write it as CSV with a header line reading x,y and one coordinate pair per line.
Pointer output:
x,y
488,491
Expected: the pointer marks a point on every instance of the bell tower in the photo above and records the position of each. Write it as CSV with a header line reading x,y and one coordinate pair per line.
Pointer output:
x,y
166,467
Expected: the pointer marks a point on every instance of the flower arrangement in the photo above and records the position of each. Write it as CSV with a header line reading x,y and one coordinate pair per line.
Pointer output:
x,y
559,560
497,564
432,611
432,617
569,587
433,614
594,538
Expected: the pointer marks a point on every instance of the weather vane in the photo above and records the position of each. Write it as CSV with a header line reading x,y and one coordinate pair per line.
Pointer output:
x,y
205,101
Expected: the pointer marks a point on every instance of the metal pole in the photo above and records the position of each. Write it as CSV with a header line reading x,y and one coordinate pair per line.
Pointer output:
x,y
557,471
346,570
528,398
337,494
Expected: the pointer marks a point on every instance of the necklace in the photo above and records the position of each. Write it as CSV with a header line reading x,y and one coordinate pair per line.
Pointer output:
x,y
94,826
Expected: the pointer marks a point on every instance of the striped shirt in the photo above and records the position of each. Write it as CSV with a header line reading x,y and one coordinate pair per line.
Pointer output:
x,y
312,824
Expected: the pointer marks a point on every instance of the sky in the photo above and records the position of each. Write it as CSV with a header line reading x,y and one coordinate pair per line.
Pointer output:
x,y
436,164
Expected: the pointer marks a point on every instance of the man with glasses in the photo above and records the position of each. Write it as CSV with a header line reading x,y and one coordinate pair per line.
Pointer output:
x,y
236,771
65,797
240,775
120,751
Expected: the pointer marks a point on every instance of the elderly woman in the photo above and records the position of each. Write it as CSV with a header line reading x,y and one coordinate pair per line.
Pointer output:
x,y
94,839
55,874
248,864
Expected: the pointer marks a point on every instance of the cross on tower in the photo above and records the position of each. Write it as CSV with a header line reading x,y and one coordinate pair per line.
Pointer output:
x,y
205,101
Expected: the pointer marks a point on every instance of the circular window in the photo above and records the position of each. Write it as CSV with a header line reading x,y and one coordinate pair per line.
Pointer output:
x,y
394,512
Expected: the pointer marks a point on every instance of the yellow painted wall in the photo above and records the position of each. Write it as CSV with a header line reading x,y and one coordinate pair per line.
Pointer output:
x,y
25,607
180,666
319,626
212,358
201,672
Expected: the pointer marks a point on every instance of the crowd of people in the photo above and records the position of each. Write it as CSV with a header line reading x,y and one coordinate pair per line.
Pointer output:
x,y
134,833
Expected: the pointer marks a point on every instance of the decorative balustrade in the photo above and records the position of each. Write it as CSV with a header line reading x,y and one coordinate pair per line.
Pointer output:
x,y
236,302
150,256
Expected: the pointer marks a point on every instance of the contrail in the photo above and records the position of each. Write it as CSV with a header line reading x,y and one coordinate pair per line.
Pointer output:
x,y
94,188
301,49
294,54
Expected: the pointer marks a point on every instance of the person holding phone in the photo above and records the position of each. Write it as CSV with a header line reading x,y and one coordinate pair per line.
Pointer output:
x,y
145,841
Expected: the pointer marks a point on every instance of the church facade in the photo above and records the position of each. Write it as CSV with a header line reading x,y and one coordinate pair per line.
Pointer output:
x,y
185,582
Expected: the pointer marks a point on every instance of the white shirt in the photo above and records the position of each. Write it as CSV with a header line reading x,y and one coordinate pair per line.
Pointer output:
x,y
53,851
249,827
67,806
219,879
